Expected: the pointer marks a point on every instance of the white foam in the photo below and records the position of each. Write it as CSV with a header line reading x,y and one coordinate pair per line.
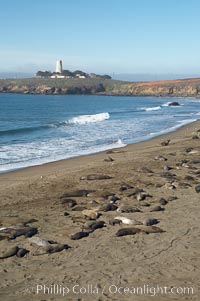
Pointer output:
x,y
84,119
171,129
152,109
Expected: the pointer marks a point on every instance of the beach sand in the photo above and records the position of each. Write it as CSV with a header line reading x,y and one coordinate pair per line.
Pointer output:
x,y
102,264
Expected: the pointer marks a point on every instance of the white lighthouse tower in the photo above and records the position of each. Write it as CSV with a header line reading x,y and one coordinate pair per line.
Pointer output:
x,y
59,66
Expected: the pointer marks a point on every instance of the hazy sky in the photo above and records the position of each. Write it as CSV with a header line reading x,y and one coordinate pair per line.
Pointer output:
x,y
105,36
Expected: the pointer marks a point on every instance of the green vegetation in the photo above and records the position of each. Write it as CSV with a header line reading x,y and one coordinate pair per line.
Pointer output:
x,y
70,74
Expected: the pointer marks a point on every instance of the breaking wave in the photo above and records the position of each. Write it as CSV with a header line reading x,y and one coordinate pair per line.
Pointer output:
x,y
84,119
152,109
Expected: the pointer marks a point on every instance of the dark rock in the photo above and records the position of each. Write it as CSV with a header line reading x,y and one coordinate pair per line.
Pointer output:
x,y
174,104
195,137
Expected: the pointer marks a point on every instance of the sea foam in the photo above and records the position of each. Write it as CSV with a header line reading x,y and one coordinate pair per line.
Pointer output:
x,y
84,119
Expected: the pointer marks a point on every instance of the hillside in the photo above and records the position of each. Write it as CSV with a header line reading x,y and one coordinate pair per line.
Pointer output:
x,y
175,88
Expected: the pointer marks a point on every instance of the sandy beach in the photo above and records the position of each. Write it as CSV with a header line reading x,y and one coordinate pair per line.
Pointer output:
x,y
142,181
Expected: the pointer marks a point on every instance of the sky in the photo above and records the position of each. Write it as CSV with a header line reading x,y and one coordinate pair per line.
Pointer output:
x,y
102,36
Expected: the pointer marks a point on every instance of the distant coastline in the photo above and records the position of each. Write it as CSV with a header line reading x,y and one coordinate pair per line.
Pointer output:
x,y
167,88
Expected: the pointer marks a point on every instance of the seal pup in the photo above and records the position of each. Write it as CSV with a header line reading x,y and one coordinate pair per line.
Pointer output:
x,y
150,222
128,221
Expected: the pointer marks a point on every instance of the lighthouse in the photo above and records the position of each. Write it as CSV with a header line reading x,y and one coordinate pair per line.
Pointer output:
x,y
59,66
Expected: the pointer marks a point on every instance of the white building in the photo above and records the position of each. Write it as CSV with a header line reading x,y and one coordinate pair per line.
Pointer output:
x,y
59,66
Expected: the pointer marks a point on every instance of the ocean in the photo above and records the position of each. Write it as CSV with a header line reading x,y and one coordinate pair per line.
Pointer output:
x,y
36,129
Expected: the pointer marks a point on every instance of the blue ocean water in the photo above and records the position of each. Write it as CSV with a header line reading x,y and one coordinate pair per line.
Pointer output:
x,y
36,129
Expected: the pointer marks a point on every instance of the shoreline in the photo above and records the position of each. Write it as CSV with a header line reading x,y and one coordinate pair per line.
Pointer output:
x,y
83,158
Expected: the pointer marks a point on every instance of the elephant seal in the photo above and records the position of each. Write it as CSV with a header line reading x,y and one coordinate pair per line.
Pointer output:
x,y
69,202
77,193
127,231
57,248
157,208
91,213
97,225
128,209
149,229
79,235
108,207
12,252
95,177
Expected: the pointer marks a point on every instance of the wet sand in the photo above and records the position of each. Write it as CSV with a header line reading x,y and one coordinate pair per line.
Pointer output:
x,y
101,262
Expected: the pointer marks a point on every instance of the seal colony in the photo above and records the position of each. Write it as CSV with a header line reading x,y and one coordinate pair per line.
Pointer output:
x,y
93,218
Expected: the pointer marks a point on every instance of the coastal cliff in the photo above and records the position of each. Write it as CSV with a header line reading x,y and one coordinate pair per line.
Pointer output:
x,y
174,88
